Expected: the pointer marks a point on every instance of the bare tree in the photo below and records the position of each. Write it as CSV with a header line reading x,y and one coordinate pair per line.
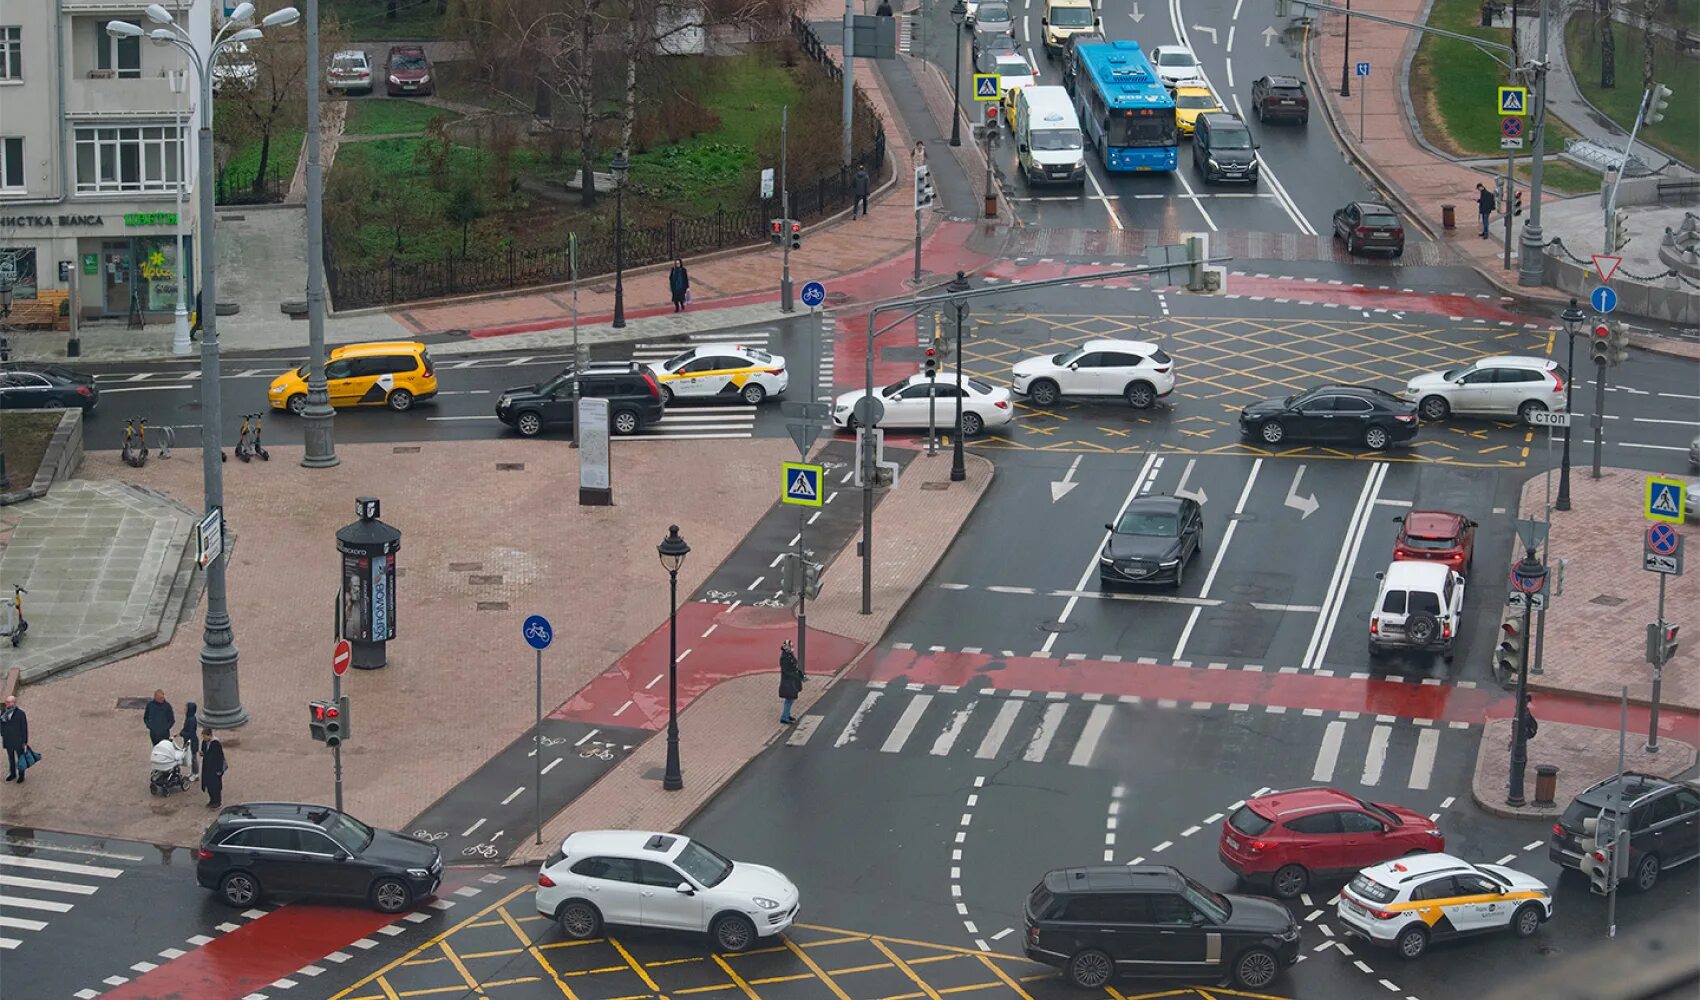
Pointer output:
x,y
1648,37
262,88
1608,45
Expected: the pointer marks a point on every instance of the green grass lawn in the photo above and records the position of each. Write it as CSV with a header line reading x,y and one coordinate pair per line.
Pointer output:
x,y
1679,134
1456,84
387,116
24,437
285,151
369,20
1564,179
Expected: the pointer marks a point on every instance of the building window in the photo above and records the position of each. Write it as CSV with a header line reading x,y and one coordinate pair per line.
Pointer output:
x,y
127,158
123,53
12,53
12,164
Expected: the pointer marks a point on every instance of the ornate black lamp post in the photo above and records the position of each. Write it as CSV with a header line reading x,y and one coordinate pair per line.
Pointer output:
x,y
673,551
959,14
958,462
1572,317
621,167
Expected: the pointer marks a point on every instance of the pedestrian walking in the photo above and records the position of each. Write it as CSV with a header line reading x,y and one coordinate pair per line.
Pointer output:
x,y
213,766
861,183
679,283
15,736
191,736
1485,204
159,718
790,681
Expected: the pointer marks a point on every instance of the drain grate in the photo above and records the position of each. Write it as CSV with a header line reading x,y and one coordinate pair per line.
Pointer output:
x,y
492,605
1608,600
510,466
486,580
134,704
405,449
465,567
935,486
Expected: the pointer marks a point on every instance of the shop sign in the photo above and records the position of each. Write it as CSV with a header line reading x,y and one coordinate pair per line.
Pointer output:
x,y
49,220
150,218
91,263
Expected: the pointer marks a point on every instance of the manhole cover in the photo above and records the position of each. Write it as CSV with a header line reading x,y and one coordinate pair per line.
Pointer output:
x,y
465,567
1057,626
510,466
406,449
492,605
1608,600
133,703
935,486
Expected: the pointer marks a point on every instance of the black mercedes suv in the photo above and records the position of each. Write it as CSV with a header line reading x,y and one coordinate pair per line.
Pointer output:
x,y
1151,920
1664,824
292,848
634,399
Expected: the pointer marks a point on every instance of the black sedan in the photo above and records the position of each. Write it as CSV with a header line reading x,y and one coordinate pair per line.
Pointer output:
x,y
26,386
1333,414
1152,543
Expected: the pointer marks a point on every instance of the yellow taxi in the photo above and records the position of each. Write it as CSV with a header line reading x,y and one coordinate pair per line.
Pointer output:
x,y
395,374
1190,102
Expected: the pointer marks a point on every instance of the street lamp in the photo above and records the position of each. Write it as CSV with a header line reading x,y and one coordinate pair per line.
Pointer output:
x,y
958,463
5,356
1529,577
959,14
1346,56
221,699
673,551
621,167
1572,317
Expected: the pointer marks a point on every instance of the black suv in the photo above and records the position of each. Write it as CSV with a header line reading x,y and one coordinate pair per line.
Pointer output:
x,y
1223,150
1280,97
291,848
1151,920
1071,62
1664,824
1357,414
634,399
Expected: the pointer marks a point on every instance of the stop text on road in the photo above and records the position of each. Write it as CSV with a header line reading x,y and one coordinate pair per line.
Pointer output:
x,y
342,654
985,86
814,293
802,484
1514,100
538,632
1603,299
1663,500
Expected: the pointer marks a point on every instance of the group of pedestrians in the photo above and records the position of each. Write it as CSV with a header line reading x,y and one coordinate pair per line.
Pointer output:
x,y
200,751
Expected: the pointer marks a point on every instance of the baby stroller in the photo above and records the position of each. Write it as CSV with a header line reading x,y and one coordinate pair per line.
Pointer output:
x,y
165,768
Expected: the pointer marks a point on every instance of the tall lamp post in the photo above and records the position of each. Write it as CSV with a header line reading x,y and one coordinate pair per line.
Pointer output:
x,y
959,14
958,462
5,355
673,551
318,419
1529,575
1346,56
1572,317
221,698
181,342
621,166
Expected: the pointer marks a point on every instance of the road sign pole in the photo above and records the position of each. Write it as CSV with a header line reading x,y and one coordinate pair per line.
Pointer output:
x,y
1546,552
336,751
1658,676
1510,200
785,304
1528,576
537,748
1599,420
336,685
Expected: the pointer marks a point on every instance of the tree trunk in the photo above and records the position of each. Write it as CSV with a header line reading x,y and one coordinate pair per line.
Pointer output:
x,y
259,185
587,110
1608,48
629,120
1647,12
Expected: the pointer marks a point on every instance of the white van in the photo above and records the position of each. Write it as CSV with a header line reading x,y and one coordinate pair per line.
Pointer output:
x,y
1047,137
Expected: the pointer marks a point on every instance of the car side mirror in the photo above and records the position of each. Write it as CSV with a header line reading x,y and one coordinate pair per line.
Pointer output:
x,y
1109,527
1470,524
1045,21
1074,367
1097,24
1021,147
1379,575
341,855
685,889
1400,519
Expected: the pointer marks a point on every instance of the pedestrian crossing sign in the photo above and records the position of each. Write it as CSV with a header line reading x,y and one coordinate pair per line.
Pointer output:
x,y
802,484
985,86
1664,500
1514,100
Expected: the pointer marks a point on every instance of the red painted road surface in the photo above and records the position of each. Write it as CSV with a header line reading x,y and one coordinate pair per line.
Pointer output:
x,y
738,641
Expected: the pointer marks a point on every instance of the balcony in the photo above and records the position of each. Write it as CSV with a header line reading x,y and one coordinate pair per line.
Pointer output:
x,y
109,97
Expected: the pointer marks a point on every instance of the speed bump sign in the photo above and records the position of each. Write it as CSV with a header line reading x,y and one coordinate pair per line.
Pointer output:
x,y
1514,100
985,86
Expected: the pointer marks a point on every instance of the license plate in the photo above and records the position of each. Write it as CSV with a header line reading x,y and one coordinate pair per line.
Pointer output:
x,y
1286,102
1233,843
1352,907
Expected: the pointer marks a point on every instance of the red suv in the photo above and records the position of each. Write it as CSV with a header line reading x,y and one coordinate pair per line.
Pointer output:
x,y
1286,838
1436,536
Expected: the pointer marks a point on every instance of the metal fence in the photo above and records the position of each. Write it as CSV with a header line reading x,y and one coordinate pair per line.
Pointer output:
x,y
238,188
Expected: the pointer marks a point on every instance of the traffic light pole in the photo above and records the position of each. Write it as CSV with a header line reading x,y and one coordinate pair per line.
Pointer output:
x,y
1621,820
537,747
336,693
1599,419
785,301
1658,673
1529,568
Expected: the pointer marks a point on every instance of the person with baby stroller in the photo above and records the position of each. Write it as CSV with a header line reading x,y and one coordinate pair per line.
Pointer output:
x,y
166,764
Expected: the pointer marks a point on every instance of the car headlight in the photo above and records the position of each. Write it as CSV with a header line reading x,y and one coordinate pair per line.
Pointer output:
x,y
1213,164
1105,560
1169,563
1290,934
395,79
1432,832
419,872
765,903
425,79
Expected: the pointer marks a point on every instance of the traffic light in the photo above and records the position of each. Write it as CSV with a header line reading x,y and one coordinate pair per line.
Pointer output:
x,y
316,720
1599,345
327,724
1661,643
789,580
924,193
796,235
1596,856
1619,344
1510,653
1517,202
811,578
1283,8
1657,103
1617,229
931,366
776,230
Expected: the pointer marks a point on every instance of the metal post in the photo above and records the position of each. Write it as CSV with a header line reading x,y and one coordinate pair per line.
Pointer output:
x,y
181,342
849,79
1510,201
336,751
318,417
1528,567
1628,148
673,778
802,596
1599,420
1346,56
1363,98
786,303
578,356
537,748
1546,549
958,462
1572,318
1658,675
990,129
956,89
1531,267
619,253
867,455
932,415
1619,820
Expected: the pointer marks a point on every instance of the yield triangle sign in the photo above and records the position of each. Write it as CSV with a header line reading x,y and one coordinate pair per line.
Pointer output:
x,y
1606,265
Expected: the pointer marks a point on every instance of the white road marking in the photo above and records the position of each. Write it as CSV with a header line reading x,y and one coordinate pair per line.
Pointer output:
x,y
1376,757
1422,765
1329,753
906,723
1002,723
952,729
22,923
74,888
25,903
513,795
1092,563
473,827
60,866
1087,745
1047,731
1340,579
848,735
803,730
551,765
1221,552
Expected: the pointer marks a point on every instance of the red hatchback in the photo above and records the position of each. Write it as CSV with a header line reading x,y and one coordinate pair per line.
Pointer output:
x,y
1436,536
1284,839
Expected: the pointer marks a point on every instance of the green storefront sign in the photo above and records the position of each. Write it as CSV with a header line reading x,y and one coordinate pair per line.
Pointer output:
x,y
150,218
91,263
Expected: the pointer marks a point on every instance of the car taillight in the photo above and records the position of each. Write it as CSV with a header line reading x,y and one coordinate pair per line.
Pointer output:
x,y
1558,830
779,371
1001,404
1374,626
204,855
1379,914
654,386
1557,382
1163,370
1362,230
1257,845
1033,936
83,390
545,881
1446,631
1405,418
430,369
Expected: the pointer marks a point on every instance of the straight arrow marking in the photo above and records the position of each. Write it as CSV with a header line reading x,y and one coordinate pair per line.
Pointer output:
x,y
1269,35
1306,504
1061,488
1181,491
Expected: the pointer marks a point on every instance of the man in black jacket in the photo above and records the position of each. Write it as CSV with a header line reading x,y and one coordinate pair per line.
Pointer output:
x,y
159,718
212,768
1485,204
14,735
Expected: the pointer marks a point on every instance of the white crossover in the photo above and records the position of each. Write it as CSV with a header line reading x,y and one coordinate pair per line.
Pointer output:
x,y
906,404
1431,897
722,371
1503,386
1134,370
664,881
1176,65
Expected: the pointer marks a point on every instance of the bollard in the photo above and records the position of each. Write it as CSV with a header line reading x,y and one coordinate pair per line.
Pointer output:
x,y
1449,216
1546,784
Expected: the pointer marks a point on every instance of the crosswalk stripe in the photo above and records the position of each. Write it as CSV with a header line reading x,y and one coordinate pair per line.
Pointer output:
x,y
1329,753
22,924
25,903
1376,757
1047,731
953,729
76,888
7,944
60,866
1001,725
848,735
906,723
1422,766
1096,722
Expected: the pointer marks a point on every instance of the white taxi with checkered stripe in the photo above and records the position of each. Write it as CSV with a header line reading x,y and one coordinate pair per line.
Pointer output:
x,y
722,371
1428,897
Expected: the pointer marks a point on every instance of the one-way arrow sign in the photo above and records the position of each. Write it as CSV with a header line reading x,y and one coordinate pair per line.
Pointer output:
x,y
1137,16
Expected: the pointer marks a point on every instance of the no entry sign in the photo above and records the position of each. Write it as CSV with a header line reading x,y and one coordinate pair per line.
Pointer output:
x,y
342,654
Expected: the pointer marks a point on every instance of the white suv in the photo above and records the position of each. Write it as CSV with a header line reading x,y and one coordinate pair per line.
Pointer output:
x,y
1423,897
1501,386
1132,369
661,880
1419,608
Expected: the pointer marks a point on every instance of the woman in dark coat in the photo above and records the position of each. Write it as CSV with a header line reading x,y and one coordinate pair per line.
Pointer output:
x,y
679,283
790,681
191,736
212,768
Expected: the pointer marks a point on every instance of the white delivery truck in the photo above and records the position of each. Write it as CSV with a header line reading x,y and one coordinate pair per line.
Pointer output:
x,y
1047,137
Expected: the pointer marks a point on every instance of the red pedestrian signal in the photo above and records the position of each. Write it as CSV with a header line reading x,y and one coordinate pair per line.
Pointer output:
x,y
1599,345
932,363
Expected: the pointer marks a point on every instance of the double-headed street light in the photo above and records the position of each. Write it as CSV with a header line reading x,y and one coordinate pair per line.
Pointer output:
x,y
958,461
620,167
1572,317
221,698
673,551
959,14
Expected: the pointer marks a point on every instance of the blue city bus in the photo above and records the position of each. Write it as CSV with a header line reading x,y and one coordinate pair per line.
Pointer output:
x,y
1125,111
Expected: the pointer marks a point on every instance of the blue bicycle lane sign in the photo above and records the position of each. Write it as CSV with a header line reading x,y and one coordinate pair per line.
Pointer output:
x,y
538,632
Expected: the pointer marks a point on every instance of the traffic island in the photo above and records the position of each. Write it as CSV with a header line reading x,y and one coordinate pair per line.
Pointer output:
x,y
1582,754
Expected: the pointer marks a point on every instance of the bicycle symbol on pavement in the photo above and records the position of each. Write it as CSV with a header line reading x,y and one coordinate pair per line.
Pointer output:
x,y
550,741
726,596
598,750
481,850
429,837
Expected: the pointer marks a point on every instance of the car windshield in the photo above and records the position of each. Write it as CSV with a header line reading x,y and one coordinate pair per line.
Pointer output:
x,y
894,388
1230,138
559,382
1012,65
1153,524
1382,814
1248,821
352,834
1195,102
1213,904
1176,59
985,388
994,13
1071,17
760,357
703,864
1372,890
407,60
1056,139
349,62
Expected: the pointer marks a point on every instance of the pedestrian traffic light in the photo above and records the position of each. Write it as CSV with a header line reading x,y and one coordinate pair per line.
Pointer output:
x,y
1661,643
931,366
811,578
316,720
796,235
1617,229
1517,202
776,230
1657,102
344,718
333,723
1619,343
1596,856
790,581
1510,653
924,193
1599,345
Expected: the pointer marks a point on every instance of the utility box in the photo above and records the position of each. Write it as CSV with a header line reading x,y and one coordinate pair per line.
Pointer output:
x,y
874,37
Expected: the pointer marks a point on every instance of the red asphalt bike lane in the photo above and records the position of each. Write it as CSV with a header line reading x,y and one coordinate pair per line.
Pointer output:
x,y
1403,699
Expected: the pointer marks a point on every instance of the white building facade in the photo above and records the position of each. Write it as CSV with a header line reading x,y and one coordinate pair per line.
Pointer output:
x,y
96,146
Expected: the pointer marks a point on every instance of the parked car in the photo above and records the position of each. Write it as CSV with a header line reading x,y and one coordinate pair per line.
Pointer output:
x,y
1336,413
1436,536
906,404
1287,839
721,371
262,849
30,386
1505,385
1223,150
235,67
634,399
1012,69
1192,100
1419,609
1107,921
1407,903
396,374
1369,225
408,72
992,17
350,72
1153,541
1134,370
665,881
1664,824
1175,65
1280,97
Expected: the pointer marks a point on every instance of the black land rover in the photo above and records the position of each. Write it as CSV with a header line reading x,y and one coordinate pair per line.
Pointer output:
x,y
634,399
1151,920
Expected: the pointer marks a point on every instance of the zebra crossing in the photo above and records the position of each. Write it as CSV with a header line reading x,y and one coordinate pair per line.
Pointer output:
x,y
1333,748
35,889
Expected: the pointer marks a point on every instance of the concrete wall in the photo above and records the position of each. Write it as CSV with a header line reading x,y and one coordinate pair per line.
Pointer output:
x,y
1669,300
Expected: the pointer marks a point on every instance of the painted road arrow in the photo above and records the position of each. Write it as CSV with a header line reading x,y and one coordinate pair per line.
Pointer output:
x,y
1181,490
1060,488
1206,29
1137,16
1306,504
1269,35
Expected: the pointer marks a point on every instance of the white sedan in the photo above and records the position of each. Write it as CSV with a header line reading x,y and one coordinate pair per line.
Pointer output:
x,y
906,404
1175,65
722,371
350,71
